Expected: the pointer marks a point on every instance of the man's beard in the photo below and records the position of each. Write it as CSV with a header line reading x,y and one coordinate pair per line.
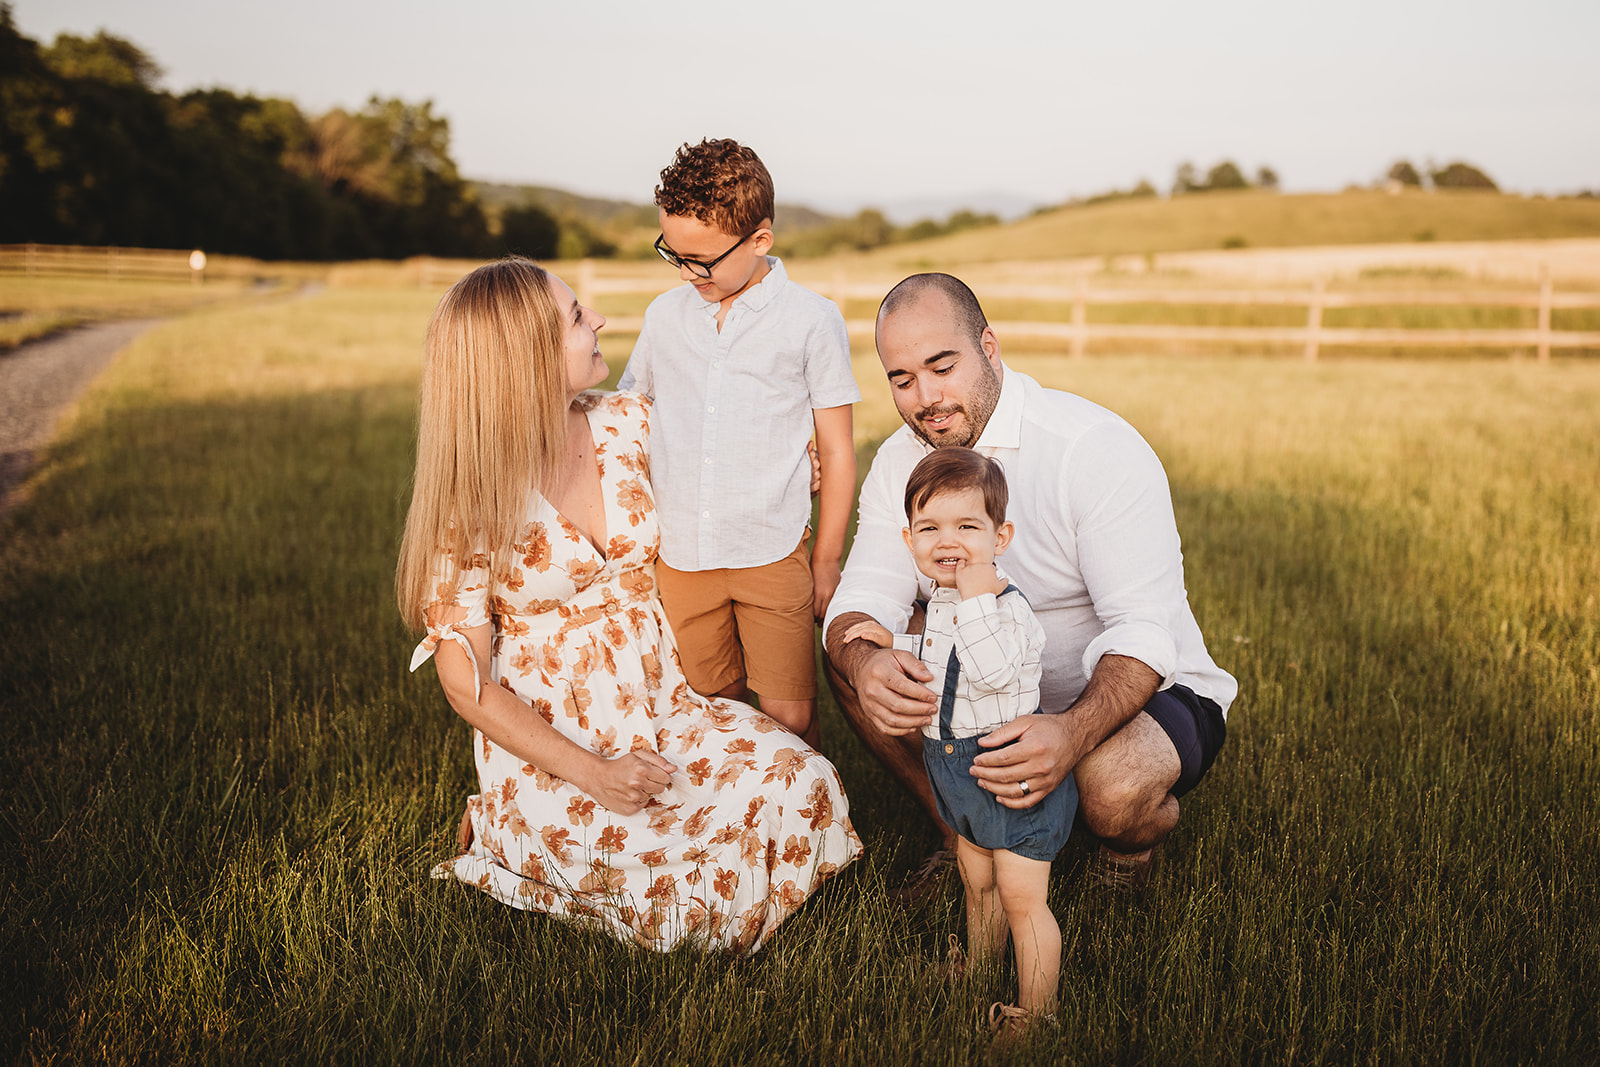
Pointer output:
x,y
985,394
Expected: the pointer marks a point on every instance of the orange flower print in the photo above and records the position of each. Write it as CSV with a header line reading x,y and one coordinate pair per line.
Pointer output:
x,y
517,824
698,771
664,818
555,843
544,710
663,891
633,498
612,839
511,626
508,791
790,896
796,850
654,858
525,661
615,637
602,879
536,548
532,867
641,744
691,737
569,531
730,832
752,849
726,884
763,725
630,698
549,659
787,765
820,810
581,811
488,750
619,546
731,769
510,579
652,670
740,744
577,704
582,571
637,583
697,856
695,825
543,780
754,811
604,742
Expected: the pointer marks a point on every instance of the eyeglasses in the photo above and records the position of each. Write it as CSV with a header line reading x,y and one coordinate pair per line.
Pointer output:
x,y
697,268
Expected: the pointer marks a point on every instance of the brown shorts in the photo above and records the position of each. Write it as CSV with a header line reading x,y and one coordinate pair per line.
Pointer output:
x,y
745,623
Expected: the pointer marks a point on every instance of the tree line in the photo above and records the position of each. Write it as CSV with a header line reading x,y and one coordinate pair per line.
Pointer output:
x,y
92,152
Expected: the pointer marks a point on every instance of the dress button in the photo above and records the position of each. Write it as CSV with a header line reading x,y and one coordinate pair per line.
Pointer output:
x,y
949,750
930,642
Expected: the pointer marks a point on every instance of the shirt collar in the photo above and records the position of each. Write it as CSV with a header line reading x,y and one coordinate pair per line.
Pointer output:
x,y
1004,428
760,294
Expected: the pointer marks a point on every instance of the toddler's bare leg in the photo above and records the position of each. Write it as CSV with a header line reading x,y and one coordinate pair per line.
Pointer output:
x,y
986,919
1023,886
799,717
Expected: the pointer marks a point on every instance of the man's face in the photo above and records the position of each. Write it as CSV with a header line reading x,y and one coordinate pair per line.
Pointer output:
x,y
944,386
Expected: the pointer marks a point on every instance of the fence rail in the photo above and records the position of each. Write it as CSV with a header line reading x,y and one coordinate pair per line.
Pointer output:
x,y
114,263
1078,331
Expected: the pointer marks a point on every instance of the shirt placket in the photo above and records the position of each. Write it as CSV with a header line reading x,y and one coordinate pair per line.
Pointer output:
x,y
716,387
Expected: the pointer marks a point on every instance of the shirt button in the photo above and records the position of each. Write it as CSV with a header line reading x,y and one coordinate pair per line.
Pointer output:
x,y
949,750
708,459
705,514
930,642
712,409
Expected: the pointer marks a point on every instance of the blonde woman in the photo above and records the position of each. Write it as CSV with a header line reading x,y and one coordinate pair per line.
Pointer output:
x,y
608,791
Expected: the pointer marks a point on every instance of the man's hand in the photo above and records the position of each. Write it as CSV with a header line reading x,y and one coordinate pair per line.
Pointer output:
x,y
1046,750
892,688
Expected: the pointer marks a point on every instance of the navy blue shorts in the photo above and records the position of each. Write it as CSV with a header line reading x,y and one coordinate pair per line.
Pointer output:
x,y
973,812
1196,727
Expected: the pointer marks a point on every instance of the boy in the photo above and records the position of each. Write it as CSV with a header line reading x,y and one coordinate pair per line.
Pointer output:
x,y
743,365
983,645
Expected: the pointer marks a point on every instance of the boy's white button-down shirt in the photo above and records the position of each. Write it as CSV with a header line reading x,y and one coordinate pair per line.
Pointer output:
x,y
998,644
733,413
1096,546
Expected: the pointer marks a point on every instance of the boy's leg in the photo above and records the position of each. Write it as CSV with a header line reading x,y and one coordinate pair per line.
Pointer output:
x,y
986,919
772,606
700,609
1023,886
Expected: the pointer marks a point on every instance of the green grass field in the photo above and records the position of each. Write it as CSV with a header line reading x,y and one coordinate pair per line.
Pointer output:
x,y
1256,220
222,791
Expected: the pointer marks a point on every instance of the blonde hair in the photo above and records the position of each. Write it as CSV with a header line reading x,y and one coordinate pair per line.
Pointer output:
x,y
491,426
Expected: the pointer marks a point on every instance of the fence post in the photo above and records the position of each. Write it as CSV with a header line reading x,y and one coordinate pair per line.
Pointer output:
x,y
1314,320
111,263
1080,320
839,288
1546,294
586,282
32,258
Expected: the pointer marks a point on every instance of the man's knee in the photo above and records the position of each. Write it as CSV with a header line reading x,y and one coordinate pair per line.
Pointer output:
x,y
1115,808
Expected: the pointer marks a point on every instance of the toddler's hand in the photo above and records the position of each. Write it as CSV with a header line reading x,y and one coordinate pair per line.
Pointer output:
x,y
871,631
975,579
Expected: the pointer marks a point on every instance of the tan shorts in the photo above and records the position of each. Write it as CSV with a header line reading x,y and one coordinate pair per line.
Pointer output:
x,y
745,623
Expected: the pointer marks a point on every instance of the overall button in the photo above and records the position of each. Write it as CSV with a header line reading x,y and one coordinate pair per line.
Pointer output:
x,y
949,750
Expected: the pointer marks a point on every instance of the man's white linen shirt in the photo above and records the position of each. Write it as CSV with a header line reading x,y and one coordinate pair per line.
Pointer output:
x,y
999,645
1096,544
733,413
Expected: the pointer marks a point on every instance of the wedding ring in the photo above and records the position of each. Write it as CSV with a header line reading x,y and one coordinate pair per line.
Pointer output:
x,y
1025,789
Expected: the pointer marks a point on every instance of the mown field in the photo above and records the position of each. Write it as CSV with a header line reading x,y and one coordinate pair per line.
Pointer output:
x,y
222,791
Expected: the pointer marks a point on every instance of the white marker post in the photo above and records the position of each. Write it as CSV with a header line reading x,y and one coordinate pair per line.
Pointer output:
x,y
197,267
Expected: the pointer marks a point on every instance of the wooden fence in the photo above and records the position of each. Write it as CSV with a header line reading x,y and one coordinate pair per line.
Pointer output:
x,y
1077,331
114,263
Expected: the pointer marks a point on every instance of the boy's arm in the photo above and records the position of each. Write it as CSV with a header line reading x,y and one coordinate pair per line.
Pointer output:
x,y
994,641
837,451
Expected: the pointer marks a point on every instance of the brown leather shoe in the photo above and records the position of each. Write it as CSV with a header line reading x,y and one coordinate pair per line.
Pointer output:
x,y
1120,872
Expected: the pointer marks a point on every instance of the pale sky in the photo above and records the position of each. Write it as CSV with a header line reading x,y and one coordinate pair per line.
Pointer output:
x,y
851,102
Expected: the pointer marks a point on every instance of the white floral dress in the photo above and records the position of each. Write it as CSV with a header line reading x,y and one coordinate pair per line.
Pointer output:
x,y
753,820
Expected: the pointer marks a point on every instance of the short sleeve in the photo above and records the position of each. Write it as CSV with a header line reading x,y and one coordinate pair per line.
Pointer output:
x,y
830,380
471,594
639,375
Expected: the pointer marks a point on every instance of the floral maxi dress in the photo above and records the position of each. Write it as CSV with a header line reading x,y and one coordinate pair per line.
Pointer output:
x,y
753,820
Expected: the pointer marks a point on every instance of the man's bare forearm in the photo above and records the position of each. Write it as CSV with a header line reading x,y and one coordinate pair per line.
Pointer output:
x,y
1117,691
846,658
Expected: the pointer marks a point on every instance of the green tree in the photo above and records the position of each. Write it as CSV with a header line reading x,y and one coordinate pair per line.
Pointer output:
x,y
1225,175
1267,178
1459,175
1404,173
1186,180
530,231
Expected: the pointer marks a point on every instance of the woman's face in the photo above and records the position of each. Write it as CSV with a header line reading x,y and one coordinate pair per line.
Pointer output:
x,y
580,345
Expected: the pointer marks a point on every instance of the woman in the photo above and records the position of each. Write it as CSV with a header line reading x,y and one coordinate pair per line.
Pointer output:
x,y
608,790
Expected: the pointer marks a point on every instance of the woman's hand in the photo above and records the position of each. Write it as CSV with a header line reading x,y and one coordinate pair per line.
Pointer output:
x,y
626,784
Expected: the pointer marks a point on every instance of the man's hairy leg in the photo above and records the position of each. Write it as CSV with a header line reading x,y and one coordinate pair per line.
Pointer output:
x,y
902,755
1125,787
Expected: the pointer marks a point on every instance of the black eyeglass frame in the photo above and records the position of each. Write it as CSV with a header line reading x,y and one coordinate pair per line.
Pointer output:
x,y
697,268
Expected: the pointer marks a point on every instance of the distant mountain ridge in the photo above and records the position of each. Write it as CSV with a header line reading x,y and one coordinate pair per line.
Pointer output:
x,y
619,214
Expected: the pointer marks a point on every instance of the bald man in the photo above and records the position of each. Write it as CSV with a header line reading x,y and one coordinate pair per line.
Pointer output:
x,y
1133,706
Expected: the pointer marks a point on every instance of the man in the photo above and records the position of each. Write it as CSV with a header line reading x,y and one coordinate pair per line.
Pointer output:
x,y
1134,706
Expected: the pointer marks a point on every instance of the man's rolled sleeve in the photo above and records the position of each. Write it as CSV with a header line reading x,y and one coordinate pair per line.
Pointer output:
x,y
1128,548
879,578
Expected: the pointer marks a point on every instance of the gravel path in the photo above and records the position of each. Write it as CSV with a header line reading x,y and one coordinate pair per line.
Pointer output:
x,y
40,378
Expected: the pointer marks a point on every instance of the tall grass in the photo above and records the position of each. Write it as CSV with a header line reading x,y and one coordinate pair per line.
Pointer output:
x,y
222,791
